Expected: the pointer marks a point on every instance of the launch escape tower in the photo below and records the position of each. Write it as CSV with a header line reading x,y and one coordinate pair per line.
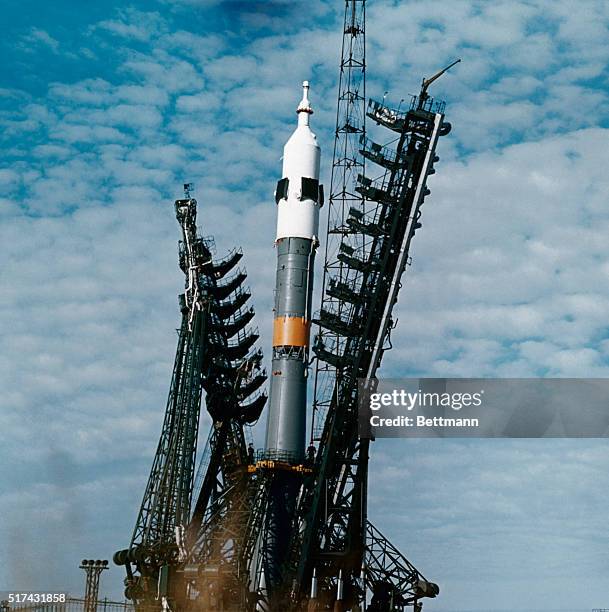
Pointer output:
x,y
284,529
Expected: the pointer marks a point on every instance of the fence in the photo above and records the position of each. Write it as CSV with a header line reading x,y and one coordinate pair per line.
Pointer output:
x,y
71,604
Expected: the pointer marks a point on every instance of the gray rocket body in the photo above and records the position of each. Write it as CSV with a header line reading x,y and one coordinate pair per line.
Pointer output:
x,y
286,424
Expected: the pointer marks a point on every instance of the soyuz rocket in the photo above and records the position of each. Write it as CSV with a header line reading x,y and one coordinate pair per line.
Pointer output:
x,y
299,196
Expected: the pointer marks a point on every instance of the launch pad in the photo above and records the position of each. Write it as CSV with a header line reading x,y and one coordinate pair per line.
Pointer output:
x,y
285,528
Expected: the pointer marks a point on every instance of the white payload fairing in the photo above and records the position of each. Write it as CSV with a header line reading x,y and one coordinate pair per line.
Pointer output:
x,y
299,196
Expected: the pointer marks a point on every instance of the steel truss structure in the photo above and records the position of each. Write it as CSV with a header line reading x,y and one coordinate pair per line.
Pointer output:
x,y
215,353
93,570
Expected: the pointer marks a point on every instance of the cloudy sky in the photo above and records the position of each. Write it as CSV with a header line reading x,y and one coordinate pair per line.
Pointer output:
x,y
106,108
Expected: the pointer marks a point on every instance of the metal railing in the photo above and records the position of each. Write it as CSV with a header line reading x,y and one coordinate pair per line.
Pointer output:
x,y
274,454
379,153
429,104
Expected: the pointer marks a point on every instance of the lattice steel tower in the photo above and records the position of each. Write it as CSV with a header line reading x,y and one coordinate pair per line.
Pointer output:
x,y
347,164
93,570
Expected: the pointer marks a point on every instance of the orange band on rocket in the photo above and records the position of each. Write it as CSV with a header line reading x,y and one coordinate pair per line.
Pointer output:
x,y
291,331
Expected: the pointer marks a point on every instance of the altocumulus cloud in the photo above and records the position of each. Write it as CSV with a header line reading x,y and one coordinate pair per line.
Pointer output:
x,y
509,275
